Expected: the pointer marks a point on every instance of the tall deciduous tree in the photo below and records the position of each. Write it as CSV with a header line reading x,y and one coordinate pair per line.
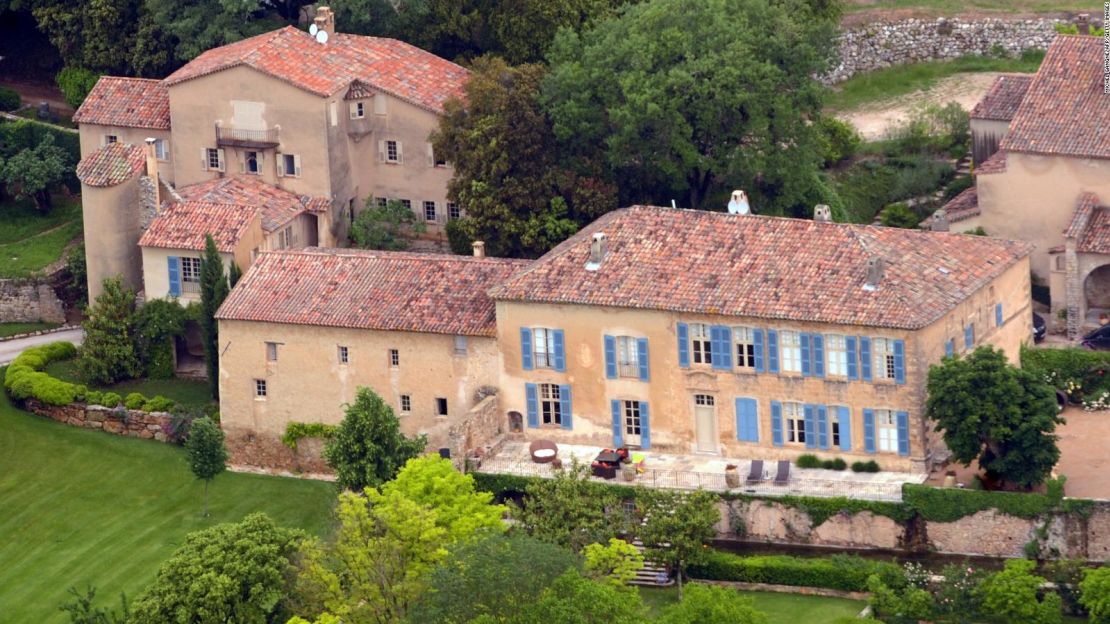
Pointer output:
x,y
206,452
573,599
1015,595
616,562
710,604
676,526
34,171
569,510
384,227
688,99
997,414
368,447
95,35
193,27
108,352
462,511
213,291
1095,596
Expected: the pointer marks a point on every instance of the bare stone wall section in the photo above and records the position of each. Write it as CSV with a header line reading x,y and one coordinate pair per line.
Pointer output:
x,y
248,448
119,421
480,431
988,533
29,301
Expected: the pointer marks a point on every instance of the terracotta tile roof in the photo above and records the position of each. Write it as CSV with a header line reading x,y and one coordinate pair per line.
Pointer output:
x,y
277,206
767,267
111,165
1065,111
126,102
963,206
292,55
995,164
1082,215
361,289
1090,224
185,225
359,91
1002,100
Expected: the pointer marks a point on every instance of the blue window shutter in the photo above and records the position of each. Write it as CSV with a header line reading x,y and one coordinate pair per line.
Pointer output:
x,y
715,346
844,415
969,337
900,361
526,348
865,358
722,347
560,351
998,315
776,423
822,427
683,345
173,263
645,426
610,357
642,358
818,343
869,430
853,357
757,343
810,425
618,424
949,347
807,367
747,424
564,407
772,351
531,394
903,433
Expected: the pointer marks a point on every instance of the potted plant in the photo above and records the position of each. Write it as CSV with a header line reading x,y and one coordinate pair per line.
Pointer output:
x,y
628,471
732,477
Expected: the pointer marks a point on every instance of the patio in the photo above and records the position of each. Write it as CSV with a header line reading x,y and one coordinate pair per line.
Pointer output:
x,y
690,472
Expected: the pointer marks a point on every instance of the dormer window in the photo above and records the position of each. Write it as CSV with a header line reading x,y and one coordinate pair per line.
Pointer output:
x,y
358,110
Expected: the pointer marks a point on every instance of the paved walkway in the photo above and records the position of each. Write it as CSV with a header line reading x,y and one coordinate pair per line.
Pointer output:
x,y
9,349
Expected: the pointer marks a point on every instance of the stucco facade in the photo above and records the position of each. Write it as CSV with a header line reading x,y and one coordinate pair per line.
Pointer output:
x,y
95,136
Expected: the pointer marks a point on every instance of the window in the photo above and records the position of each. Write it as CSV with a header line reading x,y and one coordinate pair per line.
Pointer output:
x,y
745,346
699,343
358,110
110,138
406,203
703,399
441,406
453,211
551,407
834,426
437,160
271,351
791,347
289,165
382,202
882,354
627,357
969,336
887,431
286,239
406,404
344,355
190,274
392,153
1061,263
429,211
251,163
333,109
161,149
543,347
836,355
795,423
460,345
214,159
259,388
351,209
394,357
632,417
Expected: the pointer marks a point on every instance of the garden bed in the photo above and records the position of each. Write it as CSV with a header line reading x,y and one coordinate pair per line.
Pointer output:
x,y
187,392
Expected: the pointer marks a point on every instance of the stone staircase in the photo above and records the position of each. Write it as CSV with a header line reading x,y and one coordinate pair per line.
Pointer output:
x,y
652,574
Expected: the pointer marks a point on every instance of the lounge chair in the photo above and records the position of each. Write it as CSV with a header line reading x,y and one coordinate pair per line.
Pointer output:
x,y
782,476
755,475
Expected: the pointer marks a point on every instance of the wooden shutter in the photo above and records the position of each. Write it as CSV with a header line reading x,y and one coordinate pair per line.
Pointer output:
x,y
776,423
531,395
683,331
969,336
526,348
757,345
844,417
220,159
817,343
810,419
998,315
400,153
173,265
772,351
949,348
618,423
865,358
822,427
903,420
807,364
869,430
280,164
900,361
381,151
560,350
721,346
853,357
565,407
610,357
204,158
747,420
297,165
431,155
642,358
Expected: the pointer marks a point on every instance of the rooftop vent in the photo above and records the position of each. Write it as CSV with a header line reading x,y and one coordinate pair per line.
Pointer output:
x,y
822,213
940,221
479,249
874,273
1083,24
598,248
739,203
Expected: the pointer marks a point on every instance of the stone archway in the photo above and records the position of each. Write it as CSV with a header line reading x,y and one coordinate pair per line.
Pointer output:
x,y
1096,291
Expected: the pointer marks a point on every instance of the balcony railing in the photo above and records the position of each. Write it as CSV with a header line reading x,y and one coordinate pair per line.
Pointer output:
x,y
237,137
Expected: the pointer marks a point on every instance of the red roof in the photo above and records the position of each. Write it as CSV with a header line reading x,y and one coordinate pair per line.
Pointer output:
x,y
1091,225
110,165
995,164
963,206
185,226
277,206
294,56
766,267
1002,100
362,289
126,102
1065,112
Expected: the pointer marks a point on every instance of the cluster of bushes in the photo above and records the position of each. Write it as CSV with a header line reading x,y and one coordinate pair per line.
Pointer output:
x,y
20,136
813,461
1084,375
75,83
9,99
840,572
294,431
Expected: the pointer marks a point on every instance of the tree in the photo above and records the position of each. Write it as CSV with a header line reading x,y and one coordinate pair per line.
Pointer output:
x,y
1011,595
1095,596
433,482
996,413
470,582
900,215
190,28
384,227
616,563
33,172
235,572
691,100
93,35
709,604
569,510
108,352
573,599
368,447
75,83
82,611
233,274
213,291
676,526
206,451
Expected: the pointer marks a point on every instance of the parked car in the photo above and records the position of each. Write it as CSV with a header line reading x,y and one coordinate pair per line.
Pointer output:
x,y
1038,327
1098,340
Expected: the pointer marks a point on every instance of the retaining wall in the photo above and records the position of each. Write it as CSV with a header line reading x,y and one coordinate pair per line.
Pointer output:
x,y
120,421
29,301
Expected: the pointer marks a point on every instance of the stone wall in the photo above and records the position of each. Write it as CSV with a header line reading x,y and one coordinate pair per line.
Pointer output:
x,y
254,450
29,301
120,421
481,430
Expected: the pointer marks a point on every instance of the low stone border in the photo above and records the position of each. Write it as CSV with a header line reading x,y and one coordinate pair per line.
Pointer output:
x,y
277,472
41,332
119,421
790,589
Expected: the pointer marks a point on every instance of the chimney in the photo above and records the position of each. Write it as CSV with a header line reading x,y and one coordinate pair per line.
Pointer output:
x,y
152,171
325,22
479,249
738,204
940,221
1083,23
874,273
598,248
822,213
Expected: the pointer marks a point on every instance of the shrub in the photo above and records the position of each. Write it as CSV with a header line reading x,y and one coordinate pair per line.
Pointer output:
x,y
1095,594
24,378
9,99
75,84
834,464
957,186
841,572
867,466
1079,372
94,397
837,139
900,216
807,461
458,238
110,399
159,404
134,401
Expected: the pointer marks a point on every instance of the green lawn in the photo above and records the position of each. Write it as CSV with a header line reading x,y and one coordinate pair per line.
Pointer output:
x,y
954,7
185,391
83,507
30,240
13,329
900,80
780,608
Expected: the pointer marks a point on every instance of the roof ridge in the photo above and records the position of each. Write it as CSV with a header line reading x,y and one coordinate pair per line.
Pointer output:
x,y
354,252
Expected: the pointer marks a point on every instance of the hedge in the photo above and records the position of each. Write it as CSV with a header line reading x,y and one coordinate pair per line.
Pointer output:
x,y
9,99
840,572
294,431
1090,369
951,504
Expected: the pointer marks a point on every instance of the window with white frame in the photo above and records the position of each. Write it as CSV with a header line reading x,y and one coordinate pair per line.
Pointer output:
x,y
744,338
627,357
110,138
430,211
290,165
836,356
406,404
392,154
882,353
631,417
271,351
886,431
794,420
260,388
834,426
453,211
551,407
381,201
190,271
214,159
161,149
252,163
286,238
438,160
344,355
394,357
791,348
699,343
543,347
358,110
406,203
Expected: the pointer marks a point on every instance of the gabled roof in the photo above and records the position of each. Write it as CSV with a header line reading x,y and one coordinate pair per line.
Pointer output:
x,y
277,206
362,289
292,55
359,90
1065,111
995,164
126,102
110,165
185,225
961,208
767,267
1090,224
1002,100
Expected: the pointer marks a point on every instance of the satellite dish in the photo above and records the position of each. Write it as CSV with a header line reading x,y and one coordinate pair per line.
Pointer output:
x,y
739,203
313,29
322,36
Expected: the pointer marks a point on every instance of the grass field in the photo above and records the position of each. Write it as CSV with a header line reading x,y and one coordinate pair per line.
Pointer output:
x,y
82,507
185,391
14,329
955,7
780,608
30,240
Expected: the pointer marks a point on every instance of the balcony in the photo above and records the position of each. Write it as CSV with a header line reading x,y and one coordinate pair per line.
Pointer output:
x,y
235,137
